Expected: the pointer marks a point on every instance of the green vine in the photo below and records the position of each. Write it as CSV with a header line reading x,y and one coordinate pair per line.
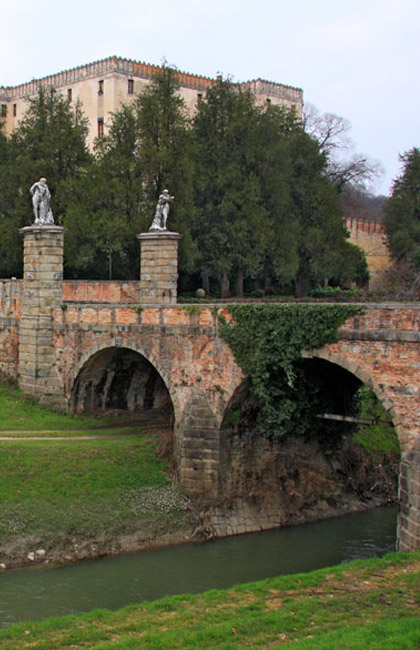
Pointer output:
x,y
267,341
191,309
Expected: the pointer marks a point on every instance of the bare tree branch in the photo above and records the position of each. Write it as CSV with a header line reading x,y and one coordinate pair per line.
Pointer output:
x,y
344,166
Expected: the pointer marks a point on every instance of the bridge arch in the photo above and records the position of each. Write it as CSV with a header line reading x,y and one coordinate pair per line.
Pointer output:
x,y
365,378
127,376
268,479
235,391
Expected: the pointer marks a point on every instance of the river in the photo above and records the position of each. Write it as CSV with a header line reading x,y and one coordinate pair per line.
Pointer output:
x,y
112,582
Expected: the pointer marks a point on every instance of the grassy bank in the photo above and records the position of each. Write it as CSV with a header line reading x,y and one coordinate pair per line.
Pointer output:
x,y
79,498
69,498
22,412
370,605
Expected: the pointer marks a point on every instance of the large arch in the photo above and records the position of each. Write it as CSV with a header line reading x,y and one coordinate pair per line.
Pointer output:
x,y
257,473
365,378
118,377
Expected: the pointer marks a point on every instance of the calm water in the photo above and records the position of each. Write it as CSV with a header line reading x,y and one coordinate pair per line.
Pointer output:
x,y
117,581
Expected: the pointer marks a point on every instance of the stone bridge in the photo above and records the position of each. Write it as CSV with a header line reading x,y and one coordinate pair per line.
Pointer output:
x,y
86,344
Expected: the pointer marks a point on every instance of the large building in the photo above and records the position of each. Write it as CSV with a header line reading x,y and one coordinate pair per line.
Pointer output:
x,y
104,86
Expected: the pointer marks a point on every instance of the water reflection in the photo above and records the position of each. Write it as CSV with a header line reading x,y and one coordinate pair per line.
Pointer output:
x,y
117,581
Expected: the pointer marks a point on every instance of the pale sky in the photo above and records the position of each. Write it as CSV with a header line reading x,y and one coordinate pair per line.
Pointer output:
x,y
356,58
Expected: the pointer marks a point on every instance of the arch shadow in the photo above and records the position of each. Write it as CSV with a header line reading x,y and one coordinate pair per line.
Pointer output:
x,y
116,378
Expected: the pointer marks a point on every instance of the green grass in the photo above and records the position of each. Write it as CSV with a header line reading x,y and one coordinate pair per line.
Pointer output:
x,y
20,412
79,486
378,440
371,604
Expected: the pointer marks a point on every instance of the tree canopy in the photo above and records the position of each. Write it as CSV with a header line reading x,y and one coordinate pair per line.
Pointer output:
x,y
254,200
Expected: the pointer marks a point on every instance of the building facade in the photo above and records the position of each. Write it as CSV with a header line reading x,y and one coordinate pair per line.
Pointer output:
x,y
104,86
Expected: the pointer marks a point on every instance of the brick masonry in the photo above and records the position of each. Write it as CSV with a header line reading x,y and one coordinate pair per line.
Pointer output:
x,y
409,520
159,267
42,293
48,332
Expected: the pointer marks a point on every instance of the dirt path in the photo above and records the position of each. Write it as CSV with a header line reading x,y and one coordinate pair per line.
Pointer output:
x,y
51,434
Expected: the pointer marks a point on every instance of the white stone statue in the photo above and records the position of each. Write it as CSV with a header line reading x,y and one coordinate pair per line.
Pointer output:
x,y
162,211
41,197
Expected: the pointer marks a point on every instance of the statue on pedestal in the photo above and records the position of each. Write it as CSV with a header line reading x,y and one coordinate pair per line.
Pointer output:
x,y
162,211
41,197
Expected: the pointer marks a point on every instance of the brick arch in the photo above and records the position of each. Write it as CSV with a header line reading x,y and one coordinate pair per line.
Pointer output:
x,y
364,376
146,354
229,392
347,364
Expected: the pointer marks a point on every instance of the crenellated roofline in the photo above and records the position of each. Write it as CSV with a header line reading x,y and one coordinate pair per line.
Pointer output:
x,y
115,64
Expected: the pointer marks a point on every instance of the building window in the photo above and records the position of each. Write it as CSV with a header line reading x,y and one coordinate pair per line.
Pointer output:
x,y
69,94
199,97
101,87
101,127
4,110
14,110
268,102
131,86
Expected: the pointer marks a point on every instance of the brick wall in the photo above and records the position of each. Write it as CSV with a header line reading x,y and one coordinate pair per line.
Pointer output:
x,y
100,291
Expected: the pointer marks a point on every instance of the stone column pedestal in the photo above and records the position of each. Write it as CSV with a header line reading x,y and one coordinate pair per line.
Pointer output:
x,y
43,290
159,267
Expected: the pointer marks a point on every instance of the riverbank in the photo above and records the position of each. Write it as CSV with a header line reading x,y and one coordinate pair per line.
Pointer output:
x,y
69,500
366,604
76,488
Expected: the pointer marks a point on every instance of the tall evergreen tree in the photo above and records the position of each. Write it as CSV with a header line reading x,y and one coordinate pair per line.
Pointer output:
x,y
264,205
147,148
230,216
106,214
50,141
402,211
164,151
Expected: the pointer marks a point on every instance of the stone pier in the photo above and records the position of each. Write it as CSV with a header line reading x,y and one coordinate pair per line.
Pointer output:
x,y
408,535
159,267
43,290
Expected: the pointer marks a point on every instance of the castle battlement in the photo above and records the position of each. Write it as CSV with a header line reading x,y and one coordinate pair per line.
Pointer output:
x,y
144,70
282,91
103,86
372,239
99,68
370,227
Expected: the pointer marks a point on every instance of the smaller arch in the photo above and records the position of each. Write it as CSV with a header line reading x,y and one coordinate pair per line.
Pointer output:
x,y
147,354
122,379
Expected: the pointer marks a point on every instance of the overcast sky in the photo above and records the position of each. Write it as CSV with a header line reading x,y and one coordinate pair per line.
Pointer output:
x,y
356,58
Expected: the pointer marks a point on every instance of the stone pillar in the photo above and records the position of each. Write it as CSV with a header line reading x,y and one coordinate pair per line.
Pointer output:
x,y
43,289
408,532
197,447
159,267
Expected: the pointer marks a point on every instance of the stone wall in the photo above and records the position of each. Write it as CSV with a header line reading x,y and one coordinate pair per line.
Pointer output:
x,y
11,301
372,239
99,291
11,298
9,347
